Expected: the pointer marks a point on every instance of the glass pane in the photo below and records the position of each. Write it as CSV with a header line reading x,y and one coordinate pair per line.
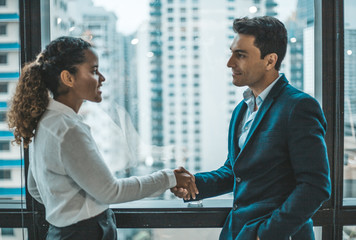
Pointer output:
x,y
171,234
350,104
168,95
349,233
177,233
13,234
11,165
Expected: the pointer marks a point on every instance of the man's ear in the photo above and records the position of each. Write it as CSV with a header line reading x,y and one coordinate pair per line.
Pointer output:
x,y
271,60
67,78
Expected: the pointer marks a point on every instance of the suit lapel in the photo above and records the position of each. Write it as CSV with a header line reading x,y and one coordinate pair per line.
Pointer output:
x,y
240,111
266,105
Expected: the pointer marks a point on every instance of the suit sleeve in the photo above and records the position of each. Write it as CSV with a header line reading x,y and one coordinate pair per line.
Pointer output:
x,y
220,181
308,157
214,183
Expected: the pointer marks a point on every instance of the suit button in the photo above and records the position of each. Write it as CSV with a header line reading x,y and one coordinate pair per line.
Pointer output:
x,y
234,207
238,179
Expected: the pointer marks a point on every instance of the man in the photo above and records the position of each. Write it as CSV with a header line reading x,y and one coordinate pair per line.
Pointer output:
x,y
277,163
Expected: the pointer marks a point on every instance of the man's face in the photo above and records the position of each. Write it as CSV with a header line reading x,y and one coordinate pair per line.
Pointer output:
x,y
248,69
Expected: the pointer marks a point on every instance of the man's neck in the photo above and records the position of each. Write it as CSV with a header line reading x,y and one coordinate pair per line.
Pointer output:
x,y
262,85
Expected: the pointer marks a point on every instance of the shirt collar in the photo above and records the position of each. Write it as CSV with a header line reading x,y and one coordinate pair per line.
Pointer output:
x,y
250,99
265,92
60,107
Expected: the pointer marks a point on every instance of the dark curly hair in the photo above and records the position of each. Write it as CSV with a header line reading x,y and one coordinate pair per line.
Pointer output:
x,y
270,35
31,97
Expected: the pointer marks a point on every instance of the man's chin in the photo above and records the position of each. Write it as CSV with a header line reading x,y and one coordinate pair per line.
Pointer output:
x,y
237,83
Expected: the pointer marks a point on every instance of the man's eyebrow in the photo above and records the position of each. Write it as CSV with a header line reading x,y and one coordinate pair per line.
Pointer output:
x,y
239,51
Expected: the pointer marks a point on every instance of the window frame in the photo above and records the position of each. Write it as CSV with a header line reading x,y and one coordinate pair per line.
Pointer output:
x,y
331,217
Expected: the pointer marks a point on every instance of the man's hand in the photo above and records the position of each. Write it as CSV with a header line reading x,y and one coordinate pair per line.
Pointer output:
x,y
258,238
185,187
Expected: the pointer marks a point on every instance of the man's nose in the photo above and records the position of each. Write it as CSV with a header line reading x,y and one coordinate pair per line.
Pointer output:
x,y
230,63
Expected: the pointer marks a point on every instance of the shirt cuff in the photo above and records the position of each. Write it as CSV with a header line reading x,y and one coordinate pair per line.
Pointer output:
x,y
172,181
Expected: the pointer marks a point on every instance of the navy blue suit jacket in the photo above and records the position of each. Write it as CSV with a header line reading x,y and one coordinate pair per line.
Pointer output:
x,y
280,177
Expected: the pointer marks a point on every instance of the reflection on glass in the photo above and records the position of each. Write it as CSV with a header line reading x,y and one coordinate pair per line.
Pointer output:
x,y
171,234
168,95
11,184
177,233
350,104
349,233
13,234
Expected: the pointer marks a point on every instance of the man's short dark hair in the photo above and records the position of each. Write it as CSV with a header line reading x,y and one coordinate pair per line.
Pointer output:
x,y
270,35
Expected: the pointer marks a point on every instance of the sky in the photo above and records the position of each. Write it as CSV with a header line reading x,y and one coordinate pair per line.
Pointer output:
x,y
124,9
129,22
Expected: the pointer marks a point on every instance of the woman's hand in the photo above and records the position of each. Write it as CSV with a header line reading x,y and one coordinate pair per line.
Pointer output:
x,y
185,187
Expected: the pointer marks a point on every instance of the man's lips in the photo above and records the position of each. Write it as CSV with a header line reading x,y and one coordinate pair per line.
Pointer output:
x,y
236,73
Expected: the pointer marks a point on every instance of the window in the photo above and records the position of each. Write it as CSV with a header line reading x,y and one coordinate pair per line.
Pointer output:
x,y
328,39
5,174
349,105
4,145
3,58
3,87
2,116
2,2
7,232
3,29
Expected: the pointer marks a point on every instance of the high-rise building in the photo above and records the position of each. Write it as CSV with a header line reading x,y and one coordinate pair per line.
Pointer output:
x,y
192,96
12,187
349,104
11,160
350,89
98,26
302,19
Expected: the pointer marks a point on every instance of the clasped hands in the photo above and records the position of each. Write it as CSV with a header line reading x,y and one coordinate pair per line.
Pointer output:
x,y
185,187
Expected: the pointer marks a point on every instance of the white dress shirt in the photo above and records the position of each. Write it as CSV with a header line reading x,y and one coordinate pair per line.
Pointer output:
x,y
68,175
250,113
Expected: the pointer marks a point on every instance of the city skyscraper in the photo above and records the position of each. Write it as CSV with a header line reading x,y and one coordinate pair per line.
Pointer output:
x,y
12,182
11,160
296,24
192,96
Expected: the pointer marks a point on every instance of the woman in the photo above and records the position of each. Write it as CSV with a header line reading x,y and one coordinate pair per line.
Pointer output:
x,y
67,173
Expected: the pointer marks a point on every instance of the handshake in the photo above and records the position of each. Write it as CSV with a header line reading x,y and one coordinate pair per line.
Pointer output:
x,y
185,187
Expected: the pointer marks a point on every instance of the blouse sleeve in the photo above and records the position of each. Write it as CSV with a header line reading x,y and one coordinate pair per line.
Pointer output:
x,y
32,186
84,164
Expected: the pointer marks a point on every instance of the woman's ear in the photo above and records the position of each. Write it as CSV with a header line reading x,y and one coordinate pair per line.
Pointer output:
x,y
271,61
67,78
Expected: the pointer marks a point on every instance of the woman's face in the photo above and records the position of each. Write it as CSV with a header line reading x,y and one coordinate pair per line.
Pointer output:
x,y
88,79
